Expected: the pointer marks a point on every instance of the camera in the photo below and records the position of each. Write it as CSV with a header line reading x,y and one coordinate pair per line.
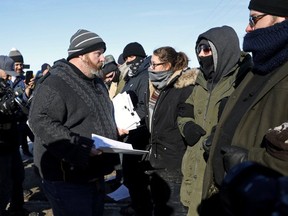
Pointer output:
x,y
11,101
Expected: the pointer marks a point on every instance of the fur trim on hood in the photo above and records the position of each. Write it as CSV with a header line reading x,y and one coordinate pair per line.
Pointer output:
x,y
188,77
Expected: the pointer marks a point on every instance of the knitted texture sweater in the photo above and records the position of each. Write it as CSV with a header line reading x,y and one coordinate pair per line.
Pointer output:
x,y
67,108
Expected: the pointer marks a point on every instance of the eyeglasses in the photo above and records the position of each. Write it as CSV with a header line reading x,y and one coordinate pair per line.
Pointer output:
x,y
254,19
154,65
203,47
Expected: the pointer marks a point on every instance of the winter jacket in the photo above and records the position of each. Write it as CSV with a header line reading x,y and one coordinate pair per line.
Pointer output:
x,y
67,108
205,108
167,144
8,119
259,103
137,87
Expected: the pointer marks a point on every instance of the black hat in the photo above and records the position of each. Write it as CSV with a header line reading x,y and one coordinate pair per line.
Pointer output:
x,y
120,60
83,42
16,55
272,7
133,49
44,67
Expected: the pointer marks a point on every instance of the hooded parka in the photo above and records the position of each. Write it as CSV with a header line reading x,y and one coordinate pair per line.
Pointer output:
x,y
230,66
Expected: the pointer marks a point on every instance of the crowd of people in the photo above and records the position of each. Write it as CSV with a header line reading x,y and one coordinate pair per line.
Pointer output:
x,y
216,135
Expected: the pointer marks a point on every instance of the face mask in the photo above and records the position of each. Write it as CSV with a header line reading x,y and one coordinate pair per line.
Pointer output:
x,y
159,79
207,66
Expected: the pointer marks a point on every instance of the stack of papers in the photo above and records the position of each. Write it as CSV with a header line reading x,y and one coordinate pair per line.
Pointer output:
x,y
124,112
112,146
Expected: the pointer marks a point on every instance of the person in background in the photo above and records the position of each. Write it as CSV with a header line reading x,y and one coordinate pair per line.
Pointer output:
x,y
123,68
171,83
69,105
110,74
24,132
44,70
19,82
259,102
222,67
136,85
11,166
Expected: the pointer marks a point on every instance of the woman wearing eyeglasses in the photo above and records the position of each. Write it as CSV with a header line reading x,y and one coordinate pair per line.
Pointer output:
x,y
171,82
222,67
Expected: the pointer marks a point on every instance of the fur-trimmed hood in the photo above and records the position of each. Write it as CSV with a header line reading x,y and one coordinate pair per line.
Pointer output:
x,y
186,78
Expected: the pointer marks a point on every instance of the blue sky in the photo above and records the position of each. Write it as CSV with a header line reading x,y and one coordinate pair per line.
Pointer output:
x,y
41,29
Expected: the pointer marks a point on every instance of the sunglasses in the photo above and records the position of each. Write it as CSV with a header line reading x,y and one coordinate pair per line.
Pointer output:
x,y
203,47
254,19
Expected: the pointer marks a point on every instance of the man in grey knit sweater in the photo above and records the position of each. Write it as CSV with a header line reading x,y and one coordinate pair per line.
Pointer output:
x,y
70,103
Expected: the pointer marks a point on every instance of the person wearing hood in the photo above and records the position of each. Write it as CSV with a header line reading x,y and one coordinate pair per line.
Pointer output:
x,y
70,104
260,101
222,67
171,83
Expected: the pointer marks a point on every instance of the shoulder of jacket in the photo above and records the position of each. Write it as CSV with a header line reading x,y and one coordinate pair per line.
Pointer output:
x,y
187,77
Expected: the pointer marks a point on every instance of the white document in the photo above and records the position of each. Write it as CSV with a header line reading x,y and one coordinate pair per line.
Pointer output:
x,y
112,146
124,113
119,194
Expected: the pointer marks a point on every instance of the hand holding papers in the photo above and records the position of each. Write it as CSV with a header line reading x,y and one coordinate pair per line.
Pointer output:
x,y
113,146
125,115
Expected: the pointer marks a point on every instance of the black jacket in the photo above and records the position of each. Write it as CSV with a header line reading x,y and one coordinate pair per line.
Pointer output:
x,y
167,144
67,108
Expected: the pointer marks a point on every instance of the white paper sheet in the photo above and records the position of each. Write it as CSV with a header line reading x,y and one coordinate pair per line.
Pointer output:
x,y
112,146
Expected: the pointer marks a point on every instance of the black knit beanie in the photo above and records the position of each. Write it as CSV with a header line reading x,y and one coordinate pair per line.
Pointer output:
x,y
272,7
16,55
83,42
120,60
133,49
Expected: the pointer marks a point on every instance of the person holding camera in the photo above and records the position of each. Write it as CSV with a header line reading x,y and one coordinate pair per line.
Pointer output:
x,y
25,81
11,166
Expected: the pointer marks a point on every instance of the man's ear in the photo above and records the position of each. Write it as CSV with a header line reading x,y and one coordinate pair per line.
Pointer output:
x,y
83,58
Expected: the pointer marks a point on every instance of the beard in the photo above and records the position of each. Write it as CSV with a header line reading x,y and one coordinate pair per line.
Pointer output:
x,y
93,68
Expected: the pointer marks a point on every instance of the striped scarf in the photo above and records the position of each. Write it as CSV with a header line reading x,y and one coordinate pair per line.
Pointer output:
x,y
152,102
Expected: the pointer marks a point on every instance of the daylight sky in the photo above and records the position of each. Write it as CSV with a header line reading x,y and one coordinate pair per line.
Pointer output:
x,y
41,29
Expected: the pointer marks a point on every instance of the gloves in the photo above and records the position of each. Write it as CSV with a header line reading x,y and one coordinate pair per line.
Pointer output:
x,y
208,142
193,133
233,155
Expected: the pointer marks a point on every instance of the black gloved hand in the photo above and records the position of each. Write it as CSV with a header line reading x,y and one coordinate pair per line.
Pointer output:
x,y
233,155
193,133
208,142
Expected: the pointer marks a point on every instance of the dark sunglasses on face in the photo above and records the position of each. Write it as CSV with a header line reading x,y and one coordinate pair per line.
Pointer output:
x,y
254,19
203,47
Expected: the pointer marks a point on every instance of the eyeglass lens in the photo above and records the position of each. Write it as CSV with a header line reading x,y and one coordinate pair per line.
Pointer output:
x,y
203,47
